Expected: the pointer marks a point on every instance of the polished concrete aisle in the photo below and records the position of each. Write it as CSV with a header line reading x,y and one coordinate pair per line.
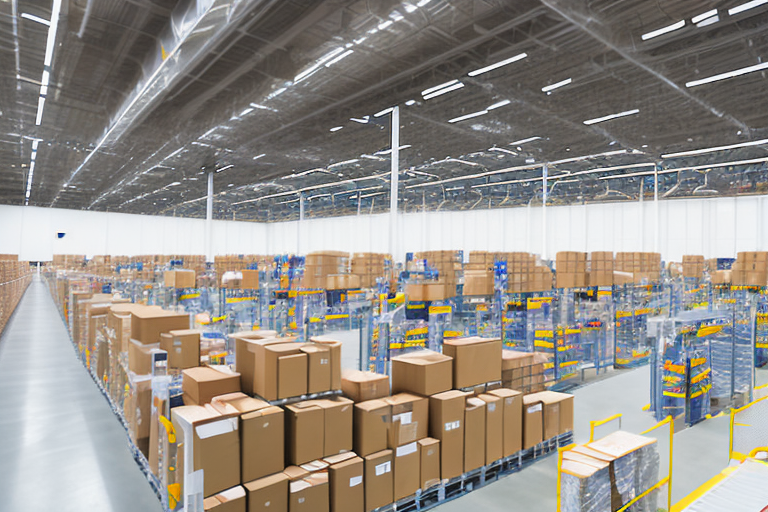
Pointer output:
x,y
61,447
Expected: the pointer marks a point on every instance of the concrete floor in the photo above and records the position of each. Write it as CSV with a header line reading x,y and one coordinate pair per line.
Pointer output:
x,y
62,447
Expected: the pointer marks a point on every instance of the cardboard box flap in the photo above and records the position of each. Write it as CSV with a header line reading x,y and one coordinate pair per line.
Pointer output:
x,y
294,473
505,393
256,344
284,349
423,357
372,405
620,443
237,402
195,414
340,457
474,340
216,428
447,395
474,403
549,397
266,411
315,465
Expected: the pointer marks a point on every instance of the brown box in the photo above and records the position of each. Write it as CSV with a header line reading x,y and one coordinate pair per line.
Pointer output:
x,y
494,427
148,323
179,278
231,500
338,413
295,473
346,484
318,367
371,425
252,364
379,482
250,279
183,348
304,432
423,372
335,346
512,404
474,434
268,494
446,415
217,452
478,282
429,454
427,292
140,357
557,413
406,465
291,371
310,494
199,385
262,434
475,360
409,420
533,422
363,386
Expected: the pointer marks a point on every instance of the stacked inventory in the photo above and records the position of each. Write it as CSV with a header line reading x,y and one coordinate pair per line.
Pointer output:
x,y
15,276
693,266
319,266
571,269
371,267
750,269
637,267
448,265
524,275
244,267
600,271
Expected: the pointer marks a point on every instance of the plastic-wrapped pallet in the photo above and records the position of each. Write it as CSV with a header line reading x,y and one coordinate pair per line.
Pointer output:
x,y
585,484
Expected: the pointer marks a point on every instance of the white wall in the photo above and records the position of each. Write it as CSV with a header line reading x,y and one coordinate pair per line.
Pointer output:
x,y
712,227
31,232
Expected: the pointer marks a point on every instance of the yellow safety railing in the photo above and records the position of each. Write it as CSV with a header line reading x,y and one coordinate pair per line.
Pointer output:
x,y
667,480
599,423
760,430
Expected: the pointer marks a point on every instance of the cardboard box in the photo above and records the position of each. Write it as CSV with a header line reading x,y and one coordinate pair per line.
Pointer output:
x,y
210,442
295,473
474,434
318,367
231,500
148,323
346,483
250,279
338,413
181,278
183,348
379,482
140,357
494,427
335,346
262,434
371,425
557,414
475,360
423,372
250,360
409,420
406,466
199,385
478,282
446,415
429,455
310,494
427,292
268,494
363,386
304,432
533,422
512,405
291,372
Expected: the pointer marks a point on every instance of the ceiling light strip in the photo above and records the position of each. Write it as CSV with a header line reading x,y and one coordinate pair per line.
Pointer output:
x,y
729,74
745,7
703,16
596,120
468,116
664,30
717,148
435,94
497,65
557,85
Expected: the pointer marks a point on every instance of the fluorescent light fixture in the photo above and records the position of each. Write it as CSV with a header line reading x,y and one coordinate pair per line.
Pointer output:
x,y
173,184
409,8
498,104
717,148
438,87
345,162
557,85
336,128
468,116
363,120
384,25
730,74
259,156
313,68
388,151
628,175
703,16
371,195
50,43
35,143
225,168
371,157
498,64
523,141
246,112
38,19
443,91
410,102
708,21
422,3
383,112
46,78
40,106
745,7
502,150
203,144
33,156
612,116
277,92
664,30
337,59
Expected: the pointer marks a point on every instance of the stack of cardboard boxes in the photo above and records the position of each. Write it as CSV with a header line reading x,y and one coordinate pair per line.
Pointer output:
x,y
750,269
600,269
693,266
449,266
637,267
480,260
245,264
15,276
370,266
319,265
524,275
571,269
523,371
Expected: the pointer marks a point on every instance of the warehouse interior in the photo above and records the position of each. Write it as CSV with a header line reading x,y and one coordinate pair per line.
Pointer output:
x,y
443,253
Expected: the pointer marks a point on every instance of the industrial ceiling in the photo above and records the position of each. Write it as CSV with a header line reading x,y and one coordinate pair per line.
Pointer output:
x,y
127,105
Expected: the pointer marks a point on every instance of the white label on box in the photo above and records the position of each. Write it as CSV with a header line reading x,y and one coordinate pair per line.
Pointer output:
x,y
491,407
383,468
404,418
510,400
324,361
534,408
355,480
265,425
301,500
267,503
406,449
216,428
452,425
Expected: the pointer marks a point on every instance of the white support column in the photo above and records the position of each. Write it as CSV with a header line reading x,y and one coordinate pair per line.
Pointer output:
x,y
642,216
656,227
209,220
544,175
393,182
300,227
